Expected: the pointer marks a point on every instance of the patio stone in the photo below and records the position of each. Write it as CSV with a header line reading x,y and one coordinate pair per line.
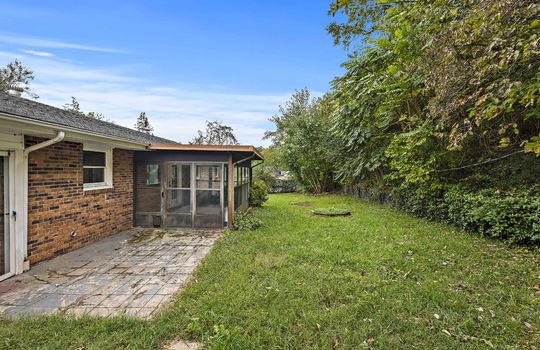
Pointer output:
x,y
119,275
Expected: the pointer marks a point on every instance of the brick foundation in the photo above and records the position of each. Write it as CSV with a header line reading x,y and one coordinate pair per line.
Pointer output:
x,y
57,204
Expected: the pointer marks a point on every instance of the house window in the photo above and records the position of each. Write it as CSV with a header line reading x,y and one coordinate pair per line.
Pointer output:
x,y
97,168
152,175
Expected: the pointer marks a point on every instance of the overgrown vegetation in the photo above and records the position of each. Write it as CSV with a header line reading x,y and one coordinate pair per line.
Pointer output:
x,y
244,220
378,279
258,193
436,94
306,147
513,216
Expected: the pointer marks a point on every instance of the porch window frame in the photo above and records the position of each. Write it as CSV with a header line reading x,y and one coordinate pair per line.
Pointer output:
x,y
108,171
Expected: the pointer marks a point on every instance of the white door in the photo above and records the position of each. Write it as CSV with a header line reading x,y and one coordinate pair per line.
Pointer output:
x,y
6,241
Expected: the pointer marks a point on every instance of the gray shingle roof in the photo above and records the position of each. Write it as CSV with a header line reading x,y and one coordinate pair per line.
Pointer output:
x,y
33,110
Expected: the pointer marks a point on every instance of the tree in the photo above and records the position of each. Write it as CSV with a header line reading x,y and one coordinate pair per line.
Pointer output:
x,y
98,116
75,107
437,85
143,125
305,142
15,73
216,133
272,164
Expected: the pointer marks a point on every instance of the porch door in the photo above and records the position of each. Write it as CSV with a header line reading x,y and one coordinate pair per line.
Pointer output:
x,y
6,244
209,195
178,208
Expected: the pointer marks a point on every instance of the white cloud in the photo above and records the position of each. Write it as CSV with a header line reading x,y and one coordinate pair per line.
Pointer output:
x,y
176,112
17,39
38,53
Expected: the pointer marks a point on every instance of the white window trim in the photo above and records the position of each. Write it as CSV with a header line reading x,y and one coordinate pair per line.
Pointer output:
x,y
108,183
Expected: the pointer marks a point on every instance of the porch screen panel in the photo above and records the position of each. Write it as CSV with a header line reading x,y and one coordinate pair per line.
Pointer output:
x,y
148,179
241,187
178,207
209,210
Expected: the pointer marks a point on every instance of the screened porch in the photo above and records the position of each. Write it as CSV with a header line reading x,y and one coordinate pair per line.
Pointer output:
x,y
190,188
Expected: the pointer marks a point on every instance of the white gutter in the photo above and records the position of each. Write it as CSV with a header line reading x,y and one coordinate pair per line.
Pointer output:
x,y
59,137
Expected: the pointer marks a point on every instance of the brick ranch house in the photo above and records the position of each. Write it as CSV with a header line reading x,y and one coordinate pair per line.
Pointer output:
x,y
67,180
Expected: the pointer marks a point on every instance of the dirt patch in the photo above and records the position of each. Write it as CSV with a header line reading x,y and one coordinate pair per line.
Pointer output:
x,y
303,204
182,345
147,235
269,261
331,212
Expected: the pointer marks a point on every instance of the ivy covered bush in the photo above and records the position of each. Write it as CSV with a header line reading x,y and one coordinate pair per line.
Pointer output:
x,y
284,186
511,216
244,220
258,193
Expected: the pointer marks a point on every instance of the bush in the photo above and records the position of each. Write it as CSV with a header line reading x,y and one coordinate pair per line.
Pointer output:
x,y
514,217
265,176
244,220
511,216
258,193
283,186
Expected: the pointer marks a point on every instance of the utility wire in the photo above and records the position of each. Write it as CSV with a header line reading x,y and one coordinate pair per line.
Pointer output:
x,y
480,163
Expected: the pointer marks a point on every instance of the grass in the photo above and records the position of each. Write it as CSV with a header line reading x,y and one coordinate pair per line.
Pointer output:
x,y
377,279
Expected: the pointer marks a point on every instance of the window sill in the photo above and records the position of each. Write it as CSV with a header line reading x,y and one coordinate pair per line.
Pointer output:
x,y
97,188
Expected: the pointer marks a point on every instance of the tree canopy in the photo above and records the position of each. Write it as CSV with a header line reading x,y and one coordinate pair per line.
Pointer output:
x,y
306,146
433,92
75,107
216,133
143,125
16,73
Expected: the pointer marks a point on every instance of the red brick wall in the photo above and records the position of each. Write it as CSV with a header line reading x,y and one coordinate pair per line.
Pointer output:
x,y
58,205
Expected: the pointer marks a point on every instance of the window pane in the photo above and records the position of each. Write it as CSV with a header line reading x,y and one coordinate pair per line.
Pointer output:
x,y
91,158
172,176
208,176
186,176
178,201
208,212
148,198
179,176
93,175
152,175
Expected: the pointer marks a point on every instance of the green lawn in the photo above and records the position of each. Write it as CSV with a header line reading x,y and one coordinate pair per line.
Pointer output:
x,y
377,279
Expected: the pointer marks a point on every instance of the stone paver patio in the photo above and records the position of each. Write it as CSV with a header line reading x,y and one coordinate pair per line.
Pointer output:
x,y
132,273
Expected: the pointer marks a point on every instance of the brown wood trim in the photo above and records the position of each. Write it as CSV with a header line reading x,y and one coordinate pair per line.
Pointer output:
x,y
230,183
217,148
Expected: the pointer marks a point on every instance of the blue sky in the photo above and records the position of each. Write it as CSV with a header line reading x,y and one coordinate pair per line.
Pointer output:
x,y
182,62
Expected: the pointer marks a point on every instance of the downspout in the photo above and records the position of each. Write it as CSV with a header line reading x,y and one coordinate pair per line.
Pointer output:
x,y
243,160
58,138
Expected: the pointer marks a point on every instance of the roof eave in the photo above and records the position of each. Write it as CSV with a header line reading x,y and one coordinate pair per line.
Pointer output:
x,y
208,148
39,123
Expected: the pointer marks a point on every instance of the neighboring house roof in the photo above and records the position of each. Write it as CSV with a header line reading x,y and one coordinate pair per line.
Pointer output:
x,y
245,149
32,110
